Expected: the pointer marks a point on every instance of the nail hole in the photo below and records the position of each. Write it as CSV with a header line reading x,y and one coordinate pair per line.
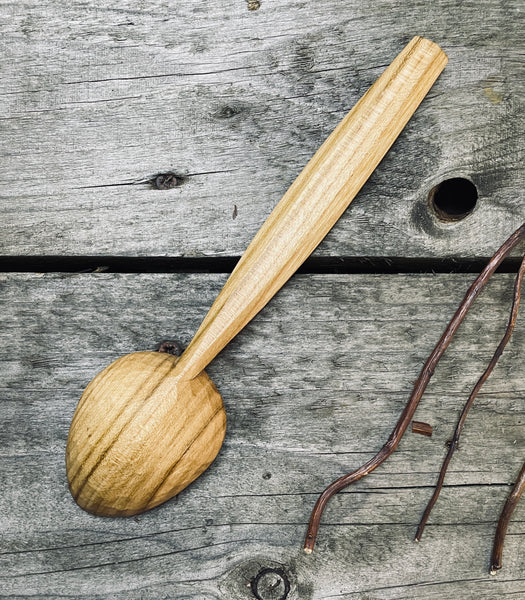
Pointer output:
x,y
453,199
171,347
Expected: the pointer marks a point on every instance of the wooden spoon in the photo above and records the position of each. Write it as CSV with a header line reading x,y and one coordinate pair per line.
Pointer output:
x,y
150,423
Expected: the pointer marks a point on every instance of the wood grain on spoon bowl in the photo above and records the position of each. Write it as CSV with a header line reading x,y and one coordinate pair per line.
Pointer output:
x,y
140,435
148,425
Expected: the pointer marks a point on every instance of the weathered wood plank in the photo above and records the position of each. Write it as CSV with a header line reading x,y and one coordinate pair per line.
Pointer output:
x,y
97,100
291,430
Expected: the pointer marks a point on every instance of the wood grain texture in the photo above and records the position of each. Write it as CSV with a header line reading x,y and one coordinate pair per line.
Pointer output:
x,y
312,387
98,100
139,436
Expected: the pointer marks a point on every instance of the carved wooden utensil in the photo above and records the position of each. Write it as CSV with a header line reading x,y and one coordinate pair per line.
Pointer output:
x,y
150,423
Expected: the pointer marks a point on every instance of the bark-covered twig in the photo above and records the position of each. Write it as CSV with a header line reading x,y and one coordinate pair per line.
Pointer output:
x,y
454,442
417,392
503,522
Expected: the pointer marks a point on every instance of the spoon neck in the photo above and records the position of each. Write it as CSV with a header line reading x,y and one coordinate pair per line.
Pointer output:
x,y
190,364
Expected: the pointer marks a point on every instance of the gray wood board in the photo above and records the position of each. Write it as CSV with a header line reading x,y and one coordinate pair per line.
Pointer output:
x,y
98,99
312,388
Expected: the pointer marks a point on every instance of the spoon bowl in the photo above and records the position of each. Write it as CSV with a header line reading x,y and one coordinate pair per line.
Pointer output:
x,y
141,434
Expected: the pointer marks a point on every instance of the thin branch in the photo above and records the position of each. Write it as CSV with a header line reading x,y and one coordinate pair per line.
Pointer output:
x,y
417,392
454,442
503,522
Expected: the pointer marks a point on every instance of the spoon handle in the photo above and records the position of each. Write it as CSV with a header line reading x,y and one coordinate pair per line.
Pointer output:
x,y
316,199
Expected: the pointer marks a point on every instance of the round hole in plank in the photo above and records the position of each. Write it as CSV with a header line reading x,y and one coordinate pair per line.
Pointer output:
x,y
453,199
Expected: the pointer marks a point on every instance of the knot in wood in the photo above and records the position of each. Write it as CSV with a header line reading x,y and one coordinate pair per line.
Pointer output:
x,y
166,181
271,584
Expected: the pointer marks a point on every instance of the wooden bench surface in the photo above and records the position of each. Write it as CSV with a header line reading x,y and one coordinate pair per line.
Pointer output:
x,y
99,104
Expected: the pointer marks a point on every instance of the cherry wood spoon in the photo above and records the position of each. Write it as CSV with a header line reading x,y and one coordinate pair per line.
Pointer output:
x,y
151,422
